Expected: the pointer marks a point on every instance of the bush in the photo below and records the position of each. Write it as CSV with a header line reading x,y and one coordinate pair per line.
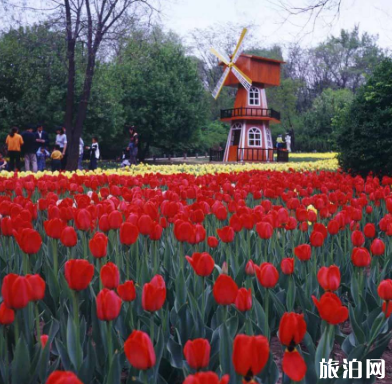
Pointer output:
x,y
365,127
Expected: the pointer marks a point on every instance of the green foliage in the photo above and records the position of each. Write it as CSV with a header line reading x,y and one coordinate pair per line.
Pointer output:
x,y
163,95
316,130
365,134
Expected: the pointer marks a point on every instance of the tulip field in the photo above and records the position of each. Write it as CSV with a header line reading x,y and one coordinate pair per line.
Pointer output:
x,y
192,274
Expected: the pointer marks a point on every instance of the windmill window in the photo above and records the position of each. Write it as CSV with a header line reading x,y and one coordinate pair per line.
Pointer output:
x,y
254,137
254,96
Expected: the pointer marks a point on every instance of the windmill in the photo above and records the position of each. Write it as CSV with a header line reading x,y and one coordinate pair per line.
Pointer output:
x,y
250,137
231,67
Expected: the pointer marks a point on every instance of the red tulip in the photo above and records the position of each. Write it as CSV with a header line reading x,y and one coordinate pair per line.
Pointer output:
x,y
250,354
330,308
360,257
197,353
29,240
128,233
145,224
226,234
369,230
115,219
44,340
243,301
68,237
292,329
212,241
357,238
294,365
78,273
303,252
63,377
83,220
127,291
7,315
250,269
377,248
98,245
202,263
287,266
6,226
206,378
38,285
267,275
264,230
108,305
154,294
384,290
225,290
387,308
110,276
103,223
54,228
329,278
316,239
16,291
183,230
156,232
333,227
139,350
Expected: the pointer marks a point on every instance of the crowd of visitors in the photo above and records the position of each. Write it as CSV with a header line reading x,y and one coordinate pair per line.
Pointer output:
x,y
34,146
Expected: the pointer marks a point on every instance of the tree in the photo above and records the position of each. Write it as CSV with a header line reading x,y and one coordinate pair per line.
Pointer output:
x,y
315,128
88,22
163,95
365,127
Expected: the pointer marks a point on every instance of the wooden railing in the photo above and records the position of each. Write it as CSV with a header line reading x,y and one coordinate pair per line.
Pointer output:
x,y
262,154
249,112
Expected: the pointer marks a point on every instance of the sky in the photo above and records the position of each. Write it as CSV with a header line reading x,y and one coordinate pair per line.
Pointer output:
x,y
270,23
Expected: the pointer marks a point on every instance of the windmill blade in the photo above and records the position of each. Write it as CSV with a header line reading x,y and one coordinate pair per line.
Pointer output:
x,y
244,80
239,48
221,56
221,81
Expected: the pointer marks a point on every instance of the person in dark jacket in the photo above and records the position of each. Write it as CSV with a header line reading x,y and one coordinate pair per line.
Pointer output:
x,y
42,138
30,148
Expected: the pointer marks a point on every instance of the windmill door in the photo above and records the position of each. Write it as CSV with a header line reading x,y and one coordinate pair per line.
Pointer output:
x,y
234,143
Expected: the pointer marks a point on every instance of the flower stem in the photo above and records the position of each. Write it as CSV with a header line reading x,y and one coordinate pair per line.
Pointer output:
x,y
110,342
77,328
37,325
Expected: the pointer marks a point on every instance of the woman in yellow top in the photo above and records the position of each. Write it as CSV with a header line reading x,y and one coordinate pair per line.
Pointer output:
x,y
14,143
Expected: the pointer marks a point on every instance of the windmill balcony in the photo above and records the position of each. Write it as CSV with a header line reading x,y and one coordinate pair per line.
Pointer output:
x,y
250,113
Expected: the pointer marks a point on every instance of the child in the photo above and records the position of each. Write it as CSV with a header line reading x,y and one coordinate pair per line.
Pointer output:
x,y
56,158
124,160
94,154
42,155
3,163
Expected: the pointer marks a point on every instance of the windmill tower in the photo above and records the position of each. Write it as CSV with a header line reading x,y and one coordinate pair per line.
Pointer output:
x,y
250,135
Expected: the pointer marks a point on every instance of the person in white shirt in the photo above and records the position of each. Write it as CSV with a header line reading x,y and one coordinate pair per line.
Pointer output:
x,y
81,151
61,141
94,154
287,139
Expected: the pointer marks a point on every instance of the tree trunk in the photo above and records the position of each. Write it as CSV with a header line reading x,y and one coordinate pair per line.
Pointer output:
x,y
143,152
75,133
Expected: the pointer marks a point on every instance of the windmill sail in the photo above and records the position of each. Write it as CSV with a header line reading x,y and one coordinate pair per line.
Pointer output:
x,y
239,48
221,81
244,80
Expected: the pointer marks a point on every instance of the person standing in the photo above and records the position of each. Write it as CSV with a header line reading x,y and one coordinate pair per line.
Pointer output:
x,y
61,141
94,154
30,149
279,142
81,151
133,144
42,155
14,143
42,138
287,139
